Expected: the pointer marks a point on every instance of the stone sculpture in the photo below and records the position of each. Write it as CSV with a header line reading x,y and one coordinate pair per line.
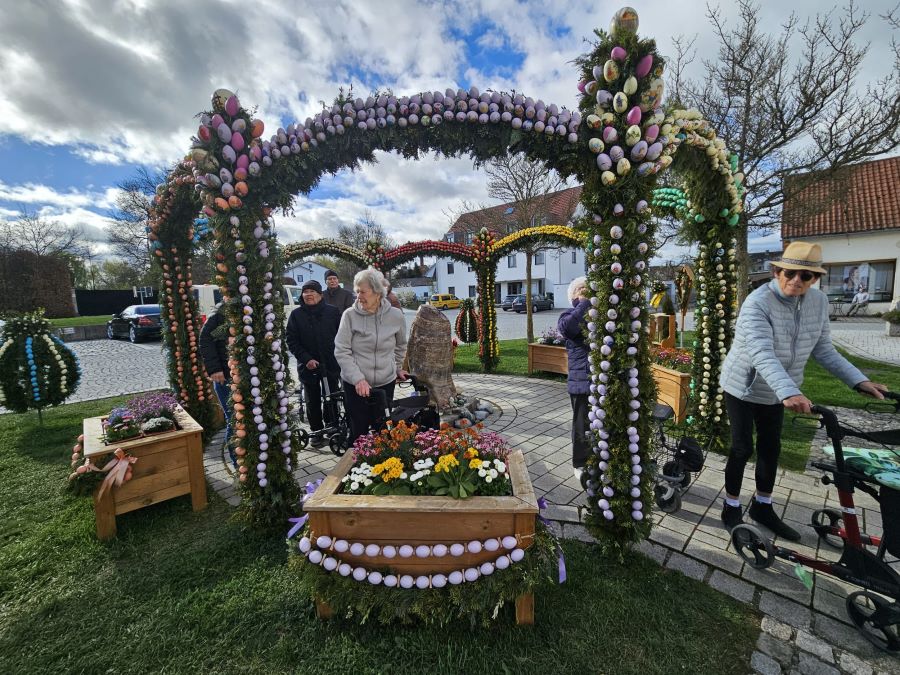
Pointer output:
x,y
429,355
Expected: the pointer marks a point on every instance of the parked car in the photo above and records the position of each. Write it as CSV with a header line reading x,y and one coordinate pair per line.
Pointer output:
x,y
209,295
445,301
136,322
508,301
538,302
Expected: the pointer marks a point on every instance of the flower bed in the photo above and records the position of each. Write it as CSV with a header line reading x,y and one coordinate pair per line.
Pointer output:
x,y
397,552
143,415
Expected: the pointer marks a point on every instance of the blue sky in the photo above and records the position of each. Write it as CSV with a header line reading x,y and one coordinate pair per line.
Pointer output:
x,y
93,90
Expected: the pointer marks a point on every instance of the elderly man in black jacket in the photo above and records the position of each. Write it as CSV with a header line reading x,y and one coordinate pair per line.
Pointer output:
x,y
335,295
310,337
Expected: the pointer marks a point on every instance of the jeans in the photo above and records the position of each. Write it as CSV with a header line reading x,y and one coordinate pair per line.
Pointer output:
x,y
313,396
581,447
365,412
223,391
743,416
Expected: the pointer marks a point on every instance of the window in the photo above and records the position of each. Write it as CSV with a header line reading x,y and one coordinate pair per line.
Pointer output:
x,y
844,279
468,268
451,290
471,291
299,278
539,258
449,268
511,260
574,257
470,236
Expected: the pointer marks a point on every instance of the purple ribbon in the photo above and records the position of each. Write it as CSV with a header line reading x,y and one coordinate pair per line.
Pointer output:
x,y
301,521
542,504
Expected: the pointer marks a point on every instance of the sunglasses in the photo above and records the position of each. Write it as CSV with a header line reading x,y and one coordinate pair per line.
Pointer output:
x,y
804,275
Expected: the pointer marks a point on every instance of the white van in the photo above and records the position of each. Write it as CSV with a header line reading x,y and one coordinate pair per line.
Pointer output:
x,y
209,295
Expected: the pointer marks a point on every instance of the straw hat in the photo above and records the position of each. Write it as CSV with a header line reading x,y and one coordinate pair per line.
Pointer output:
x,y
801,255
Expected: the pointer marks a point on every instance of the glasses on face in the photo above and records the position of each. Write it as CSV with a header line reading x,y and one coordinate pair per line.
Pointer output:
x,y
804,275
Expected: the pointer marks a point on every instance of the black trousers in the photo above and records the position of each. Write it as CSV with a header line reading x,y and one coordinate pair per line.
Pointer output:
x,y
312,393
581,447
366,412
743,417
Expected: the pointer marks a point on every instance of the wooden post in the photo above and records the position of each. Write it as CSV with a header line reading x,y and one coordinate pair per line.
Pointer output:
x,y
530,358
195,471
323,610
105,514
525,609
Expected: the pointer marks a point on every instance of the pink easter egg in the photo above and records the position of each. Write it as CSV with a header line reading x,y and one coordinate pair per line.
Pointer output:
x,y
216,120
651,133
634,115
204,134
237,141
644,65
232,105
242,162
618,53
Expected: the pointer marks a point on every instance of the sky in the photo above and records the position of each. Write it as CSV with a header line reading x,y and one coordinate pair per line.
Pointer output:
x,y
94,89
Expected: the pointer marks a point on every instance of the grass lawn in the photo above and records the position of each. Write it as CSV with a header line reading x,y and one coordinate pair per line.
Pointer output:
x,y
80,321
180,591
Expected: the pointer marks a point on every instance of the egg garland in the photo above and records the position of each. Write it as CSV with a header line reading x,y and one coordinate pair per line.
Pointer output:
x,y
37,369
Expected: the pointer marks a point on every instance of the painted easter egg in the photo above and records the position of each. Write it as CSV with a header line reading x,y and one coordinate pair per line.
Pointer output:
x,y
610,135
604,162
653,95
593,122
224,132
232,105
632,134
237,141
620,102
644,65
229,154
257,127
651,133
618,53
616,153
639,151
623,166
654,151
630,85
595,145
607,178
624,21
204,134
597,72
239,125
219,97
604,98
591,88
611,71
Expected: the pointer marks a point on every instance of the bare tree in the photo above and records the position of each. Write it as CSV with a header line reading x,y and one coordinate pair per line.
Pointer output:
x,y
525,183
785,114
128,232
39,235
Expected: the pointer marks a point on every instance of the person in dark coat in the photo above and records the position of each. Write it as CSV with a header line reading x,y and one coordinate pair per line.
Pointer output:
x,y
335,295
571,327
310,337
214,352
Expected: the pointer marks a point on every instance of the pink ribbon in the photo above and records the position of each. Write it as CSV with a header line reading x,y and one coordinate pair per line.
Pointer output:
x,y
115,470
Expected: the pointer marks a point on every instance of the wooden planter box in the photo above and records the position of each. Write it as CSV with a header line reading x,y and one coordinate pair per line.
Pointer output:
x,y
672,388
662,330
552,358
418,520
169,464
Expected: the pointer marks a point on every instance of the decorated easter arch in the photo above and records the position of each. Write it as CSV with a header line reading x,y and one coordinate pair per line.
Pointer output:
x,y
238,179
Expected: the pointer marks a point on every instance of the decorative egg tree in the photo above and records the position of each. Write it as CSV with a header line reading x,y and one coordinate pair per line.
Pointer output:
x,y
615,144
36,368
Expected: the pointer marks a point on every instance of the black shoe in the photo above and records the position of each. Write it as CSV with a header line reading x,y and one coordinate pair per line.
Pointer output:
x,y
765,515
731,516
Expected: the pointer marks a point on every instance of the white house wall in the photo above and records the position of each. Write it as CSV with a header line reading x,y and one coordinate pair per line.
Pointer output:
x,y
851,249
557,272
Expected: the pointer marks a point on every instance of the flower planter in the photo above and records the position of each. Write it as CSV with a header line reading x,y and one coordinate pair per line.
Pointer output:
x,y
662,330
891,329
170,464
551,358
416,520
672,388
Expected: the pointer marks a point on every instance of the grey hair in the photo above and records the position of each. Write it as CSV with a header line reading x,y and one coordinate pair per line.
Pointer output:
x,y
578,284
373,279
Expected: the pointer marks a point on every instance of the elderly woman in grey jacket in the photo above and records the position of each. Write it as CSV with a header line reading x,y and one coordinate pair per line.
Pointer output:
x,y
779,327
369,347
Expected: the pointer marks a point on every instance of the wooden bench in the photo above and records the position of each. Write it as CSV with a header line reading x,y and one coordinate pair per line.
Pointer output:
x,y
170,464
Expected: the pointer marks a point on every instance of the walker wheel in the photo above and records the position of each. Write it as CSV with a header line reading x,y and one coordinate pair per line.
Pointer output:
x,y
755,549
338,444
302,438
876,618
823,522
667,498
674,470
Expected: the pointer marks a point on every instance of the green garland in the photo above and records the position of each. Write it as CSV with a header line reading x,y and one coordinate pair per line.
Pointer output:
x,y
37,369
476,602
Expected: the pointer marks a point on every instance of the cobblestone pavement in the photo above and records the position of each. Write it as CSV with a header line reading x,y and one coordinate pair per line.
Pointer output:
x,y
803,631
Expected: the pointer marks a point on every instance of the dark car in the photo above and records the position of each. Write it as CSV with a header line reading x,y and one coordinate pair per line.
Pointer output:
x,y
508,301
538,302
137,322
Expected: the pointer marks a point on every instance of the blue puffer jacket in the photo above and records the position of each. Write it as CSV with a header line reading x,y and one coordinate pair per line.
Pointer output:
x,y
774,337
571,326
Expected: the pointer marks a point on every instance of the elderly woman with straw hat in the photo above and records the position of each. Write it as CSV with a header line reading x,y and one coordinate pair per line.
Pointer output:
x,y
780,325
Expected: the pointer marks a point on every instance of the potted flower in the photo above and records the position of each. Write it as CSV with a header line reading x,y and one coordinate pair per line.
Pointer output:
x,y
671,369
548,353
413,512
892,323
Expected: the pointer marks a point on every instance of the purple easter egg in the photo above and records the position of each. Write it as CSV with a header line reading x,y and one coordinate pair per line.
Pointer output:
x,y
618,53
639,151
224,132
216,120
634,115
604,163
654,151
229,154
643,66
581,85
242,162
604,97
237,141
610,134
616,153
232,105
651,133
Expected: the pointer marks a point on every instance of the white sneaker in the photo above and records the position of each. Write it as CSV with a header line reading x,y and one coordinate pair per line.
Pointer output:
x,y
578,471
